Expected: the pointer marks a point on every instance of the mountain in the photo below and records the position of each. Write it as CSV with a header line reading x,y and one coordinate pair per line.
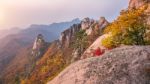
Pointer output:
x,y
88,52
108,59
57,58
54,29
66,50
19,42
50,32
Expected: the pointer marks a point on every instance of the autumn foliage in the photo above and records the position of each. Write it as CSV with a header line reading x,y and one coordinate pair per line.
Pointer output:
x,y
128,29
98,52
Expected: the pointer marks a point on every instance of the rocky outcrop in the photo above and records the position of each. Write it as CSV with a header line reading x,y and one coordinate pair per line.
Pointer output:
x,y
125,65
134,4
87,24
102,22
39,46
90,25
68,36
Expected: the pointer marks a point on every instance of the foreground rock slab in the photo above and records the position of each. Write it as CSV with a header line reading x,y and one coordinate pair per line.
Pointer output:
x,y
124,65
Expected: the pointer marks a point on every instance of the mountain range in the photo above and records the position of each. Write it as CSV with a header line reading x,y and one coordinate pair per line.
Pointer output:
x,y
17,41
81,52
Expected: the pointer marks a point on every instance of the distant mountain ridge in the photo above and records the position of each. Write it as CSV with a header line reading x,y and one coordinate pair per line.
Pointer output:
x,y
34,29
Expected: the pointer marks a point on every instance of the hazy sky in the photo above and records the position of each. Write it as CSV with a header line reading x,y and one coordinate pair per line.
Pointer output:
x,y
22,13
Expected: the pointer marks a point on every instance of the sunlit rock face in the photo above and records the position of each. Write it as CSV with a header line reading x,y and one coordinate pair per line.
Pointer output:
x,y
124,65
38,46
134,4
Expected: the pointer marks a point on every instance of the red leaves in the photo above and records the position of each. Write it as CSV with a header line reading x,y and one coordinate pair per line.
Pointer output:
x,y
98,52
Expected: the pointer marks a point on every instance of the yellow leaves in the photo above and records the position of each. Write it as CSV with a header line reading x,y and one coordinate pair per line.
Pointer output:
x,y
118,29
114,28
126,20
109,42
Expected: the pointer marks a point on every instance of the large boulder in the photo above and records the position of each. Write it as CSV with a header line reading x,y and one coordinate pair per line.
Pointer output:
x,y
124,65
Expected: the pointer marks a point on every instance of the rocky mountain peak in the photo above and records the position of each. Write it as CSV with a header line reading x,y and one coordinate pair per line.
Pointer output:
x,y
87,24
39,45
103,22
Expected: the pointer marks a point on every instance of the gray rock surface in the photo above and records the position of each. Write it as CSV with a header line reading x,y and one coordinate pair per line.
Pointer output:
x,y
124,65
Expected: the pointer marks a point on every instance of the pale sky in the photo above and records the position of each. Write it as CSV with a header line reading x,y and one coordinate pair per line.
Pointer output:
x,y
22,13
